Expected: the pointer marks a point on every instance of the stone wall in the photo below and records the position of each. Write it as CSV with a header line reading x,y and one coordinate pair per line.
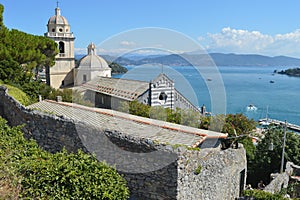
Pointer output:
x,y
220,175
281,180
183,173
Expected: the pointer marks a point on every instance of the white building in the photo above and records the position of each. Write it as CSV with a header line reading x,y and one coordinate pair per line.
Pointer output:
x,y
90,67
61,74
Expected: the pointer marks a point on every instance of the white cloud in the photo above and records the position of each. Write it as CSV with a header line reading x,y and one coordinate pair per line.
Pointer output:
x,y
127,43
245,41
80,51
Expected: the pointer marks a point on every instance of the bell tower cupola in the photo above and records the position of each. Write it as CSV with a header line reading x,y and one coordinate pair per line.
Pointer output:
x,y
58,29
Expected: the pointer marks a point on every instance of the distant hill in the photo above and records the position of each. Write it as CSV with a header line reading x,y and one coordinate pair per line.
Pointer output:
x,y
219,59
253,60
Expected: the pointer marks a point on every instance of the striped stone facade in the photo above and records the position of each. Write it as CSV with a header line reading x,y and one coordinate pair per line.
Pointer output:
x,y
162,92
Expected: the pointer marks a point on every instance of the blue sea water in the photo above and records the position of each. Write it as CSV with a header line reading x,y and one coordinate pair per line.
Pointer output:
x,y
243,85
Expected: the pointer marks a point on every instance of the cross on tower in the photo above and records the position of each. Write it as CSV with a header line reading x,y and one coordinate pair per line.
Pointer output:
x,y
57,4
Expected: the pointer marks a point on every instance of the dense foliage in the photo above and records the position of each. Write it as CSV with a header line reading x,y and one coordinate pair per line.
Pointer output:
x,y
236,125
179,116
233,124
262,195
28,172
21,55
269,161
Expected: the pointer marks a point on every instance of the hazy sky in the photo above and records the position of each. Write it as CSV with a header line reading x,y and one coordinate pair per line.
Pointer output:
x,y
268,27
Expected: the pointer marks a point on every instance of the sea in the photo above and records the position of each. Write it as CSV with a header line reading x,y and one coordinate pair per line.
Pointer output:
x,y
274,95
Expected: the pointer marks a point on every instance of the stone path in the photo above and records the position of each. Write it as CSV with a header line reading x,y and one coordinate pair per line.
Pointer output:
x,y
139,127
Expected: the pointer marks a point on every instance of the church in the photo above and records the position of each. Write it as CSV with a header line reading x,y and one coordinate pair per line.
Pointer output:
x,y
93,75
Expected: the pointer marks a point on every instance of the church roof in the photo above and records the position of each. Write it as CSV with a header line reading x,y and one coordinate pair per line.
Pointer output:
x,y
135,126
121,88
92,60
57,18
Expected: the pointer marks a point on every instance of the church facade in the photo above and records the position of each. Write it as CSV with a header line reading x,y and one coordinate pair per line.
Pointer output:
x,y
93,75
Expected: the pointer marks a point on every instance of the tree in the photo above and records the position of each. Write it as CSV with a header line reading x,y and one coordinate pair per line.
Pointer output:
x,y
266,161
239,124
174,116
190,118
22,54
158,112
234,125
29,51
136,108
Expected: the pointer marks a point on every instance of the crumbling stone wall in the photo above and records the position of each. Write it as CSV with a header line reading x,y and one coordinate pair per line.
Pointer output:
x,y
188,174
282,180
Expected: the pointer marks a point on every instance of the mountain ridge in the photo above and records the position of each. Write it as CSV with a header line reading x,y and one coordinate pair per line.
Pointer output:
x,y
219,59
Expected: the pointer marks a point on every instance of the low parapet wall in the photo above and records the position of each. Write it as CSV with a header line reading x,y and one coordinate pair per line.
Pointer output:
x,y
185,174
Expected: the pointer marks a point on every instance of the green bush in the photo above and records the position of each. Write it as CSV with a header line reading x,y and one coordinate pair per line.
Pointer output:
x,y
262,195
33,173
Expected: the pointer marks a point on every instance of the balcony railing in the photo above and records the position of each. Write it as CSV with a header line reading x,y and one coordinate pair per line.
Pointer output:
x,y
59,34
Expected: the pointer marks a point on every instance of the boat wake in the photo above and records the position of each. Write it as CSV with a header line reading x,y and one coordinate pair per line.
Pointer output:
x,y
251,107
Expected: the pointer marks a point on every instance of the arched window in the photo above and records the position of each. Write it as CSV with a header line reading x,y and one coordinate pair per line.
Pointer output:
x,y
84,78
163,97
61,47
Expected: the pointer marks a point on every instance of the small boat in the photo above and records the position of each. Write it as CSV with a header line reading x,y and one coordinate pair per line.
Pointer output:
x,y
251,107
264,122
209,79
272,81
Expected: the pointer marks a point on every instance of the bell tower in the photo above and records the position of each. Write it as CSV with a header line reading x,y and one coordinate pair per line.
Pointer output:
x,y
61,74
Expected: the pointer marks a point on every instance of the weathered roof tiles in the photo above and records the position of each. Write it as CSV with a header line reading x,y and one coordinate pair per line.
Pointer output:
x,y
135,126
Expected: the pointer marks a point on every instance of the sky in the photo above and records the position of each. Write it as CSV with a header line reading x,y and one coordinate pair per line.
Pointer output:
x,y
266,27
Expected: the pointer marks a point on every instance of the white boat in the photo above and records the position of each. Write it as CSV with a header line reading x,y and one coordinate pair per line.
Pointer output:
x,y
266,121
251,107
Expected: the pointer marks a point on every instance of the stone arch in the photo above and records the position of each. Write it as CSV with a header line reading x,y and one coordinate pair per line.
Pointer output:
x,y
61,47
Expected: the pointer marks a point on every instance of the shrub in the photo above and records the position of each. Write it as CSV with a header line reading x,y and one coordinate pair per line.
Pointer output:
x,y
262,195
32,173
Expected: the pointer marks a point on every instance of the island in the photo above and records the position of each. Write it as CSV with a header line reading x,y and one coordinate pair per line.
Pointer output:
x,y
116,68
291,72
